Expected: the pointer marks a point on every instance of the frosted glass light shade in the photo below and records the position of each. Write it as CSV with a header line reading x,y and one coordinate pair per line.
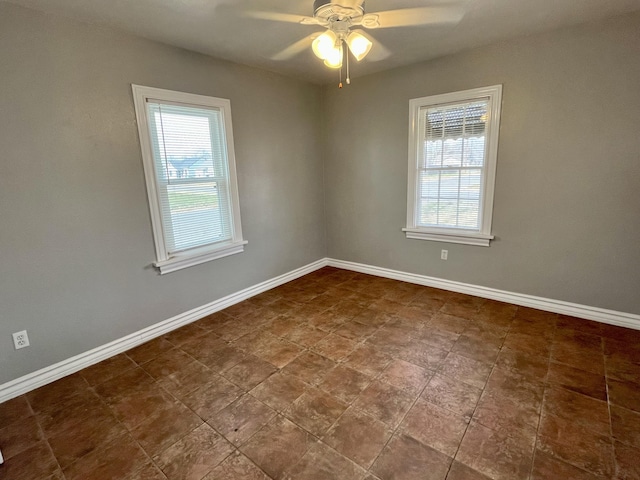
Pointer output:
x,y
359,45
324,44
334,58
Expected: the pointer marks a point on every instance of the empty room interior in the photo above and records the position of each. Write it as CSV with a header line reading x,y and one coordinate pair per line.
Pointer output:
x,y
298,240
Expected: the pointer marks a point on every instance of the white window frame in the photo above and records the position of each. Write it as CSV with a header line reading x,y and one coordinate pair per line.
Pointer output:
x,y
482,236
165,262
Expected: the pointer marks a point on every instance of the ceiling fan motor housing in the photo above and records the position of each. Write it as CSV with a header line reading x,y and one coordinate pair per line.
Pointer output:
x,y
329,11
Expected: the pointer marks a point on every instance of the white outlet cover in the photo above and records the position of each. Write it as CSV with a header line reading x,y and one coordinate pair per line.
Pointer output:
x,y
21,340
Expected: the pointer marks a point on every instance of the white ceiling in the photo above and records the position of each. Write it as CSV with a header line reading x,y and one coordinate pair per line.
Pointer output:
x,y
218,28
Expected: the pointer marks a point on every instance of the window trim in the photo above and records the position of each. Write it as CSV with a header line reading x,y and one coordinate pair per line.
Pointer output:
x,y
170,263
482,236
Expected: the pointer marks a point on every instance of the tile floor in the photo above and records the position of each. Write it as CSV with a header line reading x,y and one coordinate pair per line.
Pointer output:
x,y
345,376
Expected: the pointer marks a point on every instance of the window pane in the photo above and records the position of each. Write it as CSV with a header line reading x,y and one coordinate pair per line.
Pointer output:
x,y
428,211
449,184
453,121
429,183
196,217
452,156
448,213
470,184
469,214
451,176
190,142
475,120
189,153
433,153
474,151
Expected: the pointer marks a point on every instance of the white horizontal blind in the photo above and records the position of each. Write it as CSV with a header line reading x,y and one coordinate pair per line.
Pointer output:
x,y
191,166
451,165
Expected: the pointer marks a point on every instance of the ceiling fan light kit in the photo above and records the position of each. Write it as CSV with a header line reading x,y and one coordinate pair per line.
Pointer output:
x,y
329,47
324,44
334,57
339,17
359,45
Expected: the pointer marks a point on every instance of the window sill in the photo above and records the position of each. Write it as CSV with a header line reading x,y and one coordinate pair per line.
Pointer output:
x,y
477,239
189,260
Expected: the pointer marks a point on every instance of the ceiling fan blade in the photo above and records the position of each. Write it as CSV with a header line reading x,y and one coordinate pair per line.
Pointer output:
x,y
295,48
281,17
378,51
407,17
351,3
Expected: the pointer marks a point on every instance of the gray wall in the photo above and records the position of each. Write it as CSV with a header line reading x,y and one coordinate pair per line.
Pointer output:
x,y
567,201
75,234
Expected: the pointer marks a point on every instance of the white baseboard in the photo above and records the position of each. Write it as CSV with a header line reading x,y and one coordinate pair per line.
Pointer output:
x,y
71,365
602,315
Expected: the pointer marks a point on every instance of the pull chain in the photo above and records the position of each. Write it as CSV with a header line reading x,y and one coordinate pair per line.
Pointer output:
x,y
340,84
348,75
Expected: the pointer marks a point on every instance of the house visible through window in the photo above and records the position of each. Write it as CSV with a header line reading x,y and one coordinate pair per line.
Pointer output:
x,y
452,160
187,148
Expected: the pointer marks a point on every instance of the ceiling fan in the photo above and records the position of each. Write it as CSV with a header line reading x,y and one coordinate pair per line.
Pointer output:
x,y
339,17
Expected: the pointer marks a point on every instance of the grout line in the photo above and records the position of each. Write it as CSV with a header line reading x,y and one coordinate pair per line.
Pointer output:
x,y
606,385
495,362
252,462
397,428
373,379
544,393
281,413
169,393
359,342
46,440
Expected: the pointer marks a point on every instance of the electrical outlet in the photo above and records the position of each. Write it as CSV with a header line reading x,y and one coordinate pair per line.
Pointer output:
x,y
21,339
444,254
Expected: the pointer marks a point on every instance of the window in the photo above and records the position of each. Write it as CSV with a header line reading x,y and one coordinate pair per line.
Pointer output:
x,y
189,166
453,145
